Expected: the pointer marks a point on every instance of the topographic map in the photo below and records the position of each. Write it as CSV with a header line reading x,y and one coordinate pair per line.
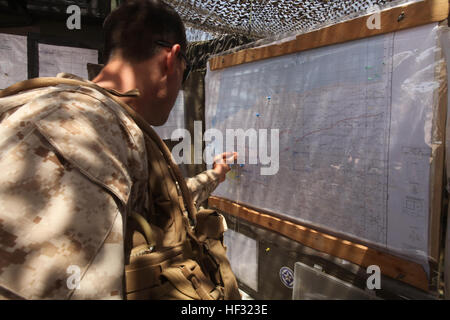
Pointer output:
x,y
355,127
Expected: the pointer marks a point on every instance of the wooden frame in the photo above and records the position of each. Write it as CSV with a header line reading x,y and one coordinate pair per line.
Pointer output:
x,y
437,165
392,19
394,267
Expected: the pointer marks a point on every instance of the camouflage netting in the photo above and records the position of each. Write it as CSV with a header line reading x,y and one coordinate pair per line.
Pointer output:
x,y
193,34
266,18
199,52
254,18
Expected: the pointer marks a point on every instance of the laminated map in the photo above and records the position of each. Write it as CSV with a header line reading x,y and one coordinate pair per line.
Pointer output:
x,y
356,135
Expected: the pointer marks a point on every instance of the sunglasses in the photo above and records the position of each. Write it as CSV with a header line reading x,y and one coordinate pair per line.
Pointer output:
x,y
187,71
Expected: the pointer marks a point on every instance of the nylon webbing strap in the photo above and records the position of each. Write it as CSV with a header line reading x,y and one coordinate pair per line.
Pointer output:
x,y
203,294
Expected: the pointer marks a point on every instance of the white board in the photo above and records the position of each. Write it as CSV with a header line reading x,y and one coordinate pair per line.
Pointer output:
x,y
355,125
13,59
55,59
242,252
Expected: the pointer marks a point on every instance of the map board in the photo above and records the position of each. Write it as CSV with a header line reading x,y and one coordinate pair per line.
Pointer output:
x,y
355,122
54,59
13,59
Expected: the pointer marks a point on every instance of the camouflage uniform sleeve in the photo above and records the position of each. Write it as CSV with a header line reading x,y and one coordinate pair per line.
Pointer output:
x,y
202,185
63,201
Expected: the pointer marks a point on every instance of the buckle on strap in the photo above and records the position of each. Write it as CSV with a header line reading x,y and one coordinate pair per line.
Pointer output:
x,y
190,275
187,272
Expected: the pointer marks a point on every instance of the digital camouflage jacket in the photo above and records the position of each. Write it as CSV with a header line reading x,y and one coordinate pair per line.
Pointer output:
x,y
72,165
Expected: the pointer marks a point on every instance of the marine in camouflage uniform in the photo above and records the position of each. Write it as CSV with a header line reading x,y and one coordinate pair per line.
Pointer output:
x,y
73,164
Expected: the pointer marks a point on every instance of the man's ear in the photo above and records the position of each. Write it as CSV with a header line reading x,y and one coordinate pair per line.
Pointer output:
x,y
172,56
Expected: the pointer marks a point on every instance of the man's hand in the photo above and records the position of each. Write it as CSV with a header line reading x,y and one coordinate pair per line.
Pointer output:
x,y
221,163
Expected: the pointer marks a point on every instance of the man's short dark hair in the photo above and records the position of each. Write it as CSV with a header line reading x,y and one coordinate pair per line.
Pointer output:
x,y
135,25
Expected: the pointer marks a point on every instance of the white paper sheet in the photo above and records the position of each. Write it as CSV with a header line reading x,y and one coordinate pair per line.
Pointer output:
x,y
413,95
242,252
355,130
13,59
55,59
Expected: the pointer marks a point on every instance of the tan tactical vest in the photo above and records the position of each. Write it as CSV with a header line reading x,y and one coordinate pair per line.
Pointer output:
x,y
166,258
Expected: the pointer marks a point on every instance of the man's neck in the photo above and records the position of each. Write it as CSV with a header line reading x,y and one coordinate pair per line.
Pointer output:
x,y
117,75
123,76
